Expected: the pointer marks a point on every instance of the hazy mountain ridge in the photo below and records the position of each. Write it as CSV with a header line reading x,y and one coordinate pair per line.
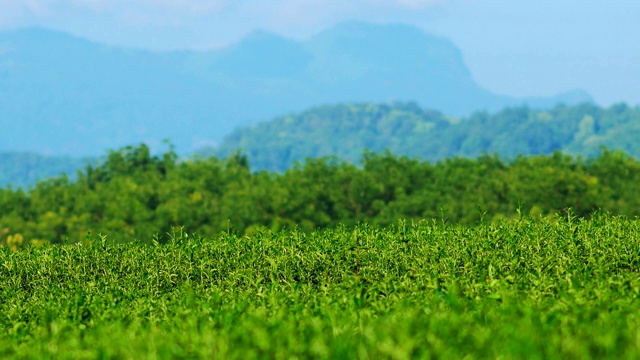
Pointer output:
x,y
346,130
23,169
64,95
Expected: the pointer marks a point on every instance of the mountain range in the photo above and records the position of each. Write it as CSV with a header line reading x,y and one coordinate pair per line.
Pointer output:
x,y
64,95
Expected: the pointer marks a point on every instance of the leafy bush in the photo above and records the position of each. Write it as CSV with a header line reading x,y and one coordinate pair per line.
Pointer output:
x,y
136,195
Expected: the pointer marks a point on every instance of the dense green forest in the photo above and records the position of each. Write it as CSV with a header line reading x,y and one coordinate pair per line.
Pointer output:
x,y
23,168
134,194
406,129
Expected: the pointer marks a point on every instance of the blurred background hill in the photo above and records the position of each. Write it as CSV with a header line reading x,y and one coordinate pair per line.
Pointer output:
x,y
284,80
64,95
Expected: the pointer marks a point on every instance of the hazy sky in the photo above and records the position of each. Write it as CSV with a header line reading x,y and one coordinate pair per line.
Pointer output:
x,y
513,47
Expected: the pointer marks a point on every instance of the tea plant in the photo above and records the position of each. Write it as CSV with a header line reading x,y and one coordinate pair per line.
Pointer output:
x,y
525,288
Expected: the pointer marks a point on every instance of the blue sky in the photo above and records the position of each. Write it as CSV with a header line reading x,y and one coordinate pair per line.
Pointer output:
x,y
518,48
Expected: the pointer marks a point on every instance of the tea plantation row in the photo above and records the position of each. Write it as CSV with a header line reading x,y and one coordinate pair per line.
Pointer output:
x,y
533,288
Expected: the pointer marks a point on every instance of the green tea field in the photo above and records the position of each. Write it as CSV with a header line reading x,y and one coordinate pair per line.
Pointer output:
x,y
533,287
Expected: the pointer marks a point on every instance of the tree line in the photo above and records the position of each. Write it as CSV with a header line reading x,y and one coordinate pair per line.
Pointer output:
x,y
134,194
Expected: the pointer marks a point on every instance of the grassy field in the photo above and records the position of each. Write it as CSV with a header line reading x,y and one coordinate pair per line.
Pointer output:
x,y
534,289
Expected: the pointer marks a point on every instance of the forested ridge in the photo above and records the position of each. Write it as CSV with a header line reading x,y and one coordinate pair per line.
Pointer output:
x,y
345,130
136,195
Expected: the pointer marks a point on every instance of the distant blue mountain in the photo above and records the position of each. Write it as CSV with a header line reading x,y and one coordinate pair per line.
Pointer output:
x,y
60,94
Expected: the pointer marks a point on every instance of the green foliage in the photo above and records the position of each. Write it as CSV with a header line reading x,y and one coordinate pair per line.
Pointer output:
x,y
404,128
134,194
533,288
